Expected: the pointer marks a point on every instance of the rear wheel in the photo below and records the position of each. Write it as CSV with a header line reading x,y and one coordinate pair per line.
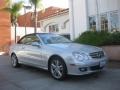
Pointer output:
x,y
14,61
57,68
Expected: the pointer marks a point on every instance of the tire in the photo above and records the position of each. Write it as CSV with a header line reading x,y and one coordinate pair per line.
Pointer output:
x,y
57,68
14,61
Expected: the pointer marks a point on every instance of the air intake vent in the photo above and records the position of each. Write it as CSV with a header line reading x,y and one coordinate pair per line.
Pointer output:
x,y
97,55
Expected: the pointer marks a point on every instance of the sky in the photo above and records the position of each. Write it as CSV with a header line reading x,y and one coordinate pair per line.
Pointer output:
x,y
47,3
58,3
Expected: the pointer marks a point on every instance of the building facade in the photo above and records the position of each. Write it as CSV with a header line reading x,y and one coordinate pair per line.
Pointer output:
x,y
56,23
52,20
94,15
28,18
5,24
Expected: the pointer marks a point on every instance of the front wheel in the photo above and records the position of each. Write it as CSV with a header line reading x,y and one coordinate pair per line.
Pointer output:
x,y
58,68
14,61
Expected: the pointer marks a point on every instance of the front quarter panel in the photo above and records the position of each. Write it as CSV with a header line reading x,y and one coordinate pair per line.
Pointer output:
x,y
18,50
50,51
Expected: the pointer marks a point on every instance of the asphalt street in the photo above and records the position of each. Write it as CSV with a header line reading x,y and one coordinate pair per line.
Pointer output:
x,y
29,78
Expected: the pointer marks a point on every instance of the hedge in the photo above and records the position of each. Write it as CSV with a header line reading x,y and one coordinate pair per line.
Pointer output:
x,y
99,38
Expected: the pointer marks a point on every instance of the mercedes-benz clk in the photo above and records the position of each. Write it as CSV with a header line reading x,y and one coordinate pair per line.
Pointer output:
x,y
58,55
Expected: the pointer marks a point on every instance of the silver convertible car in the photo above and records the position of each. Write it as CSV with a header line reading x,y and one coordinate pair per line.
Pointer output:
x,y
58,55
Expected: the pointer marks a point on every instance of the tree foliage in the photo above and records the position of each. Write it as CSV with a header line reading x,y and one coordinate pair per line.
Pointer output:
x,y
36,4
13,9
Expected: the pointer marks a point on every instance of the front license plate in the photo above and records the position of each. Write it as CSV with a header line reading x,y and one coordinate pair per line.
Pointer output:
x,y
102,63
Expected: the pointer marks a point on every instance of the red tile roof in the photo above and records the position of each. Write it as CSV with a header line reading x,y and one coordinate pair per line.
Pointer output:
x,y
49,12
25,20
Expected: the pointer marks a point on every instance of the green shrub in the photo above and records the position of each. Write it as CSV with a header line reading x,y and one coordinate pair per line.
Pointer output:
x,y
99,38
114,39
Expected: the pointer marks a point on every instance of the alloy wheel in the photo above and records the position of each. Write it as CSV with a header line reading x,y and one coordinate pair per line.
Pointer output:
x,y
14,61
57,69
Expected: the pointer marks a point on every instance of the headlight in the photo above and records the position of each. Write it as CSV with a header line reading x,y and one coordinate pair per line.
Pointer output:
x,y
80,56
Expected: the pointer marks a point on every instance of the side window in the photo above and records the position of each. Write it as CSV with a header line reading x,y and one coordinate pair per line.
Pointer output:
x,y
92,23
54,28
29,40
33,38
104,22
23,40
114,19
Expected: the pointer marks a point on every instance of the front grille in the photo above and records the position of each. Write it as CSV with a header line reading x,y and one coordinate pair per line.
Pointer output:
x,y
97,67
97,55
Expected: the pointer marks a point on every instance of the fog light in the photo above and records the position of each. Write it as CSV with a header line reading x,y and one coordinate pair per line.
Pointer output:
x,y
83,69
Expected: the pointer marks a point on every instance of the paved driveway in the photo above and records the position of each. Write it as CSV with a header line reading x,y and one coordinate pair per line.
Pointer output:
x,y
29,78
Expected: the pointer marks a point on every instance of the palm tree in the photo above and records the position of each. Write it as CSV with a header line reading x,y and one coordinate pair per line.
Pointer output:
x,y
37,4
14,9
8,3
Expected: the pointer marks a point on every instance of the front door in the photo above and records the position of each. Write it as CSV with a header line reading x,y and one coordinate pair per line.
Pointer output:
x,y
32,54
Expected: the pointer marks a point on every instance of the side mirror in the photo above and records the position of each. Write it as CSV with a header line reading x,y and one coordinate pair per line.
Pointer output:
x,y
36,44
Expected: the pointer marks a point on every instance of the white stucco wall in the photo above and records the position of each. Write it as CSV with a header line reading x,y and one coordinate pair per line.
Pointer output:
x,y
103,6
92,8
61,20
21,31
108,5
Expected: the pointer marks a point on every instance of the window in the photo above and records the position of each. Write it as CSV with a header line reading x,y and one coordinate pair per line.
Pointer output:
x,y
92,23
53,39
104,22
54,28
29,39
114,20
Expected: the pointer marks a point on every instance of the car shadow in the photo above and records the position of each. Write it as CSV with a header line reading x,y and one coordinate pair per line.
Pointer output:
x,y
35,70
69,78
86,78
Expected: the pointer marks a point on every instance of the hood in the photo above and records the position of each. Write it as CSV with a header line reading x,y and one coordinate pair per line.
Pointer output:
x,y
76,47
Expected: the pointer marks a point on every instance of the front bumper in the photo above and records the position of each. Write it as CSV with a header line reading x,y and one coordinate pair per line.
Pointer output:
x,y
86,67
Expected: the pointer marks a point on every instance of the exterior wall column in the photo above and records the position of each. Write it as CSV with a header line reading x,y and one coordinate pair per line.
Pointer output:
x,y
5,24
78,17
119,12
98,21
71,16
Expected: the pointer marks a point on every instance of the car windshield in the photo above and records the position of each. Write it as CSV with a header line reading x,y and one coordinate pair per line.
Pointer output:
x,y
53,39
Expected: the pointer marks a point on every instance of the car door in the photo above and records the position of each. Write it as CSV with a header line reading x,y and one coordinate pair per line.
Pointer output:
x,y
21,44
32,52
